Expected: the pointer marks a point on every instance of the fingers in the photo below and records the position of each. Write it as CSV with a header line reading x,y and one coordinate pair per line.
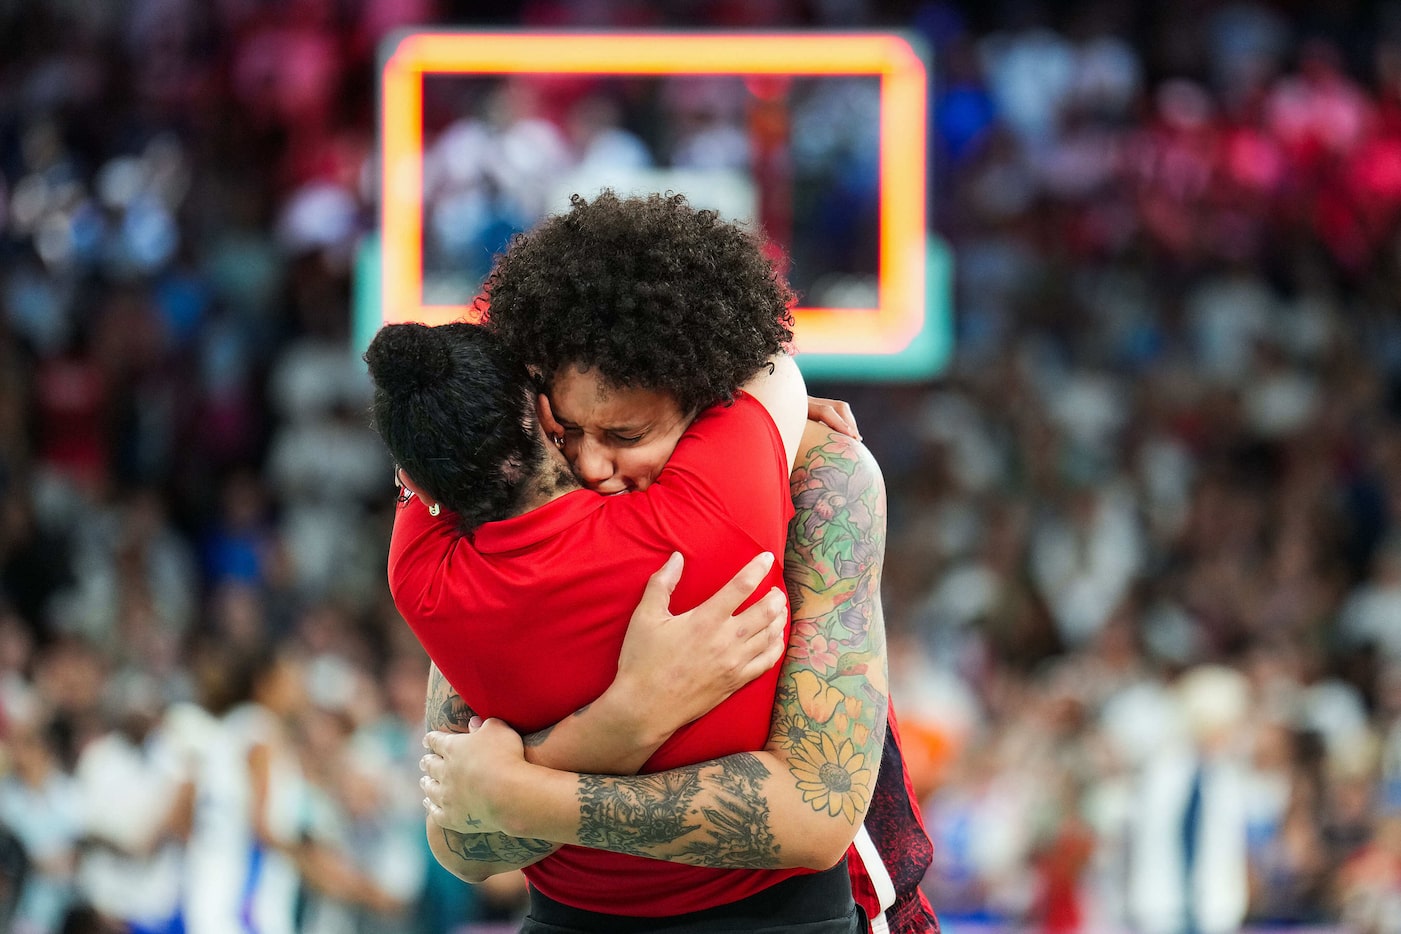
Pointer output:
x,y
768,640
436,814
656,597
728,598
760,618
849,417
839,418
767,643
776,647
431,766
835,414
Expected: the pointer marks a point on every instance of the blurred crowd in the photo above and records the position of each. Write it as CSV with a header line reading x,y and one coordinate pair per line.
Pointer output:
x,y
1147,539
1144,572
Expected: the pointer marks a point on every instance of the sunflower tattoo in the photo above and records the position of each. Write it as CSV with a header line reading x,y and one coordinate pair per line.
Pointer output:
x,y
833,776
791,731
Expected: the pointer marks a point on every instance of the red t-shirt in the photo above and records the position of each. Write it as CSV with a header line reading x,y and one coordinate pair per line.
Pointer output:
x,y
526,617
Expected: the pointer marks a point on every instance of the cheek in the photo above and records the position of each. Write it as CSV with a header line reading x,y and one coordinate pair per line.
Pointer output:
x,y
641,466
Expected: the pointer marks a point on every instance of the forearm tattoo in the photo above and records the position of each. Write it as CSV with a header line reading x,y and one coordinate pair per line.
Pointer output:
x,y
496,848
831,703
446,710
539,736
739,834
710,814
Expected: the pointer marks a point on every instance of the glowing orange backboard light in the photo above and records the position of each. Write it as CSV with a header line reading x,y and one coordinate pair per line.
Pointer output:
x,y
885,329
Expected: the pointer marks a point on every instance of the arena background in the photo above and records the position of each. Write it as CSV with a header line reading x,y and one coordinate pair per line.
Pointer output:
x,y
1152,501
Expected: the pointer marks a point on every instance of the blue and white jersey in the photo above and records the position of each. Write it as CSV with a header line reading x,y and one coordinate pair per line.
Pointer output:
x,y
234,884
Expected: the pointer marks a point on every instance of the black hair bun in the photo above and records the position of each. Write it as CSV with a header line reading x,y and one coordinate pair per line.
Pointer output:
x,y
406,358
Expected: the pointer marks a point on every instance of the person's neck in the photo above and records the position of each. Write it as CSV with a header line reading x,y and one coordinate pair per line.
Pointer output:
x,y
552,480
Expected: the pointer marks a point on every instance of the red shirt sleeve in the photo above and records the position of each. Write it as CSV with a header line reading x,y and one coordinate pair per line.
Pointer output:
x,y
732,457
421,551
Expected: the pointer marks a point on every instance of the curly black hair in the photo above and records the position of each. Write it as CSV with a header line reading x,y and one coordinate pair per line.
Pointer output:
x,y
652,292
457,411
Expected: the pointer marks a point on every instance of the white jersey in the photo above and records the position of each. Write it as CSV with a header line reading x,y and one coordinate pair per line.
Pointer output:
x,y
45,821
236,886
127,792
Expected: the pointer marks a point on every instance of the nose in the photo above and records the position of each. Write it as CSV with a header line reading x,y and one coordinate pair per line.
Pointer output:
x,y
593,464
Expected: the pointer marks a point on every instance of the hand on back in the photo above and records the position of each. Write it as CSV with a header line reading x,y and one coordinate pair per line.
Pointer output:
x,y
677,668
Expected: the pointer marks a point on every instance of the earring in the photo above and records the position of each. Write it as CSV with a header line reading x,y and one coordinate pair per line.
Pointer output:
x,y
558,440
434,510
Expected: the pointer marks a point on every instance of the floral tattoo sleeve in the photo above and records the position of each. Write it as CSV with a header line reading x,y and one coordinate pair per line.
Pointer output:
x,y
831,704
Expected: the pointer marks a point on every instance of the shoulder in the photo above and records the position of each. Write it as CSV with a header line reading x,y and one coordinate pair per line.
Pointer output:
x,y
738,432
829,458
839,446
743,413
422,549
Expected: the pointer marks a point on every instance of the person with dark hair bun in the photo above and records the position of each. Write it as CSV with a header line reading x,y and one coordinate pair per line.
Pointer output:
x,y
622,384
435,386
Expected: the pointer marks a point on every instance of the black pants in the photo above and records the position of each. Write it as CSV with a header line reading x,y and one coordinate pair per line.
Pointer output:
x,y
818,903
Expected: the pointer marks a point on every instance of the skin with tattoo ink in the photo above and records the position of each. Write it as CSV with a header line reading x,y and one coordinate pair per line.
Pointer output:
x,y
658,809
448,712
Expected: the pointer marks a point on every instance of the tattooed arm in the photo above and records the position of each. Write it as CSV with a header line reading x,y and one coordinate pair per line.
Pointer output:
x,y
471,856
799,801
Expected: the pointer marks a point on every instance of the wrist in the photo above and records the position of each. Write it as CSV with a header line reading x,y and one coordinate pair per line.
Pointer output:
x,y
519,800
625,708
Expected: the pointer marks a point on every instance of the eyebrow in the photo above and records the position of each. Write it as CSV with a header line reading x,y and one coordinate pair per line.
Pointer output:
x,y
625,428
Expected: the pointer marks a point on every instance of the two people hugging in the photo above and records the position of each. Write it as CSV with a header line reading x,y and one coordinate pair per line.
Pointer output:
x,y
733,766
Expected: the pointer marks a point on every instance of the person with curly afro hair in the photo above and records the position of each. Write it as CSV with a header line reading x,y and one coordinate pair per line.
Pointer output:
x,y
637,313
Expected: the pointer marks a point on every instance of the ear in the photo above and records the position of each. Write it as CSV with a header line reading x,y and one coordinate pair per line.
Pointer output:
x,y
412,486
547,416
